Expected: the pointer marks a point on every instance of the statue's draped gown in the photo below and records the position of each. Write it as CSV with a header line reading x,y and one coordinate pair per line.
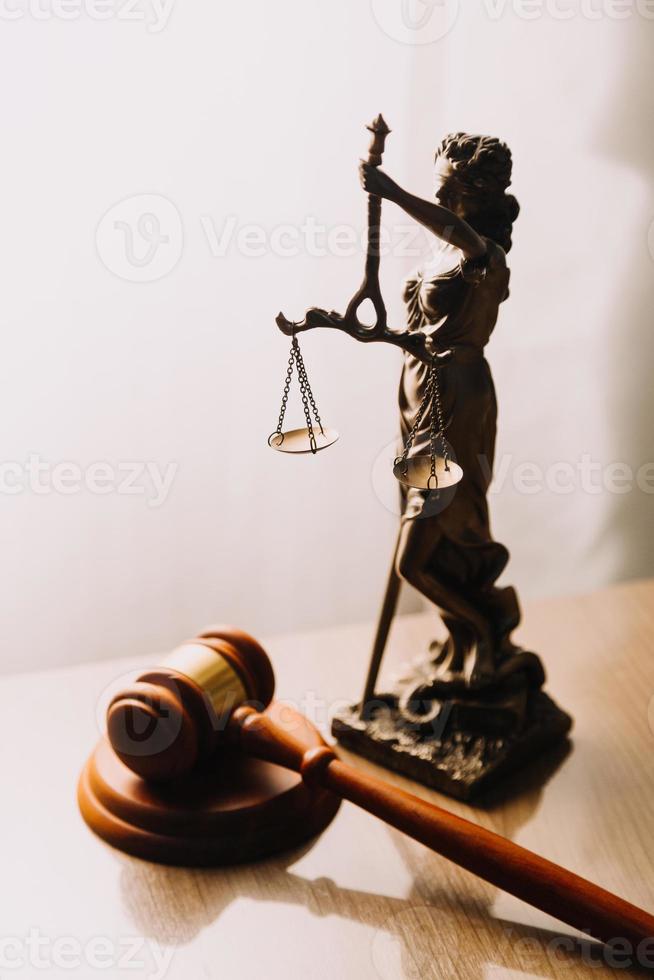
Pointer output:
x,y
458,311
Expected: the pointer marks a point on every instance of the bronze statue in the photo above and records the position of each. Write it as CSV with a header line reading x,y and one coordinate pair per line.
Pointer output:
x,y
474,708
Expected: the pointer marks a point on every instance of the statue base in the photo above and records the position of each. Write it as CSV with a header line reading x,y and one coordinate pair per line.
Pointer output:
x,y
452,754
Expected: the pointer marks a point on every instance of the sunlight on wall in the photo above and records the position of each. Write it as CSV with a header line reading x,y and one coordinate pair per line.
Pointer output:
x,y
239,128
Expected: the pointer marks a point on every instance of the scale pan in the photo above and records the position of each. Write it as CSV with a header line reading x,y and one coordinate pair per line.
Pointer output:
x,y
297,440
416,473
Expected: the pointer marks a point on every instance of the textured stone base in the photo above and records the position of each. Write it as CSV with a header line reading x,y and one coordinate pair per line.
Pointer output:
x,y
462,764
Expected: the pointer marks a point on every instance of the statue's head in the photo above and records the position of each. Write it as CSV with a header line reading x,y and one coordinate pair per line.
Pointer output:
x,y
472,174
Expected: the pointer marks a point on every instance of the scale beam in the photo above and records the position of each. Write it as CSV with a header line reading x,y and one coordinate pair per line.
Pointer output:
x,y
415,343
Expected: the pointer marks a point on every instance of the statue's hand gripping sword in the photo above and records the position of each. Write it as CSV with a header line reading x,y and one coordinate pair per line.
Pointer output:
x,y
416,343
369,288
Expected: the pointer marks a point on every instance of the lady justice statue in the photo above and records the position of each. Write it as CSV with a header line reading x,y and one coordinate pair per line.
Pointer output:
x,y
474,708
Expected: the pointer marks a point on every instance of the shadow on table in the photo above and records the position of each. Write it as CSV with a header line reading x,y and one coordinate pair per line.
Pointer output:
x,y
421,926
421,932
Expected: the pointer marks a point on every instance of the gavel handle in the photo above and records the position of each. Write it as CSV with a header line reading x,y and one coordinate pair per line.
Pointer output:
x,y
514,869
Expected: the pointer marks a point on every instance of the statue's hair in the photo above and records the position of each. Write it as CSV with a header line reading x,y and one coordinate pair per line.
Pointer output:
x,y
483,165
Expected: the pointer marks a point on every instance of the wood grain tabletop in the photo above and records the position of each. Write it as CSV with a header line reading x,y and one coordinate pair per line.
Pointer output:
x,y
362,901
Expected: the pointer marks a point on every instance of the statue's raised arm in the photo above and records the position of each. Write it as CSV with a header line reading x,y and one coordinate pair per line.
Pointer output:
x,y
417,344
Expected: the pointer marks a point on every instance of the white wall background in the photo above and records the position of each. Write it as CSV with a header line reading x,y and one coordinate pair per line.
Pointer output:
x,y
252,114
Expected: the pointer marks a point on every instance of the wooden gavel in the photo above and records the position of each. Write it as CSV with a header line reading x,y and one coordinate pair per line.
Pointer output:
x,y
202,696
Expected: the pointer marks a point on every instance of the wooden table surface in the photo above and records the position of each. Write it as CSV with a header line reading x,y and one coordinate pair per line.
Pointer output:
x,y
362,901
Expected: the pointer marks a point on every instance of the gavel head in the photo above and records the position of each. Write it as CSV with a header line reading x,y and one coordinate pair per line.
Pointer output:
x,y
173,716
